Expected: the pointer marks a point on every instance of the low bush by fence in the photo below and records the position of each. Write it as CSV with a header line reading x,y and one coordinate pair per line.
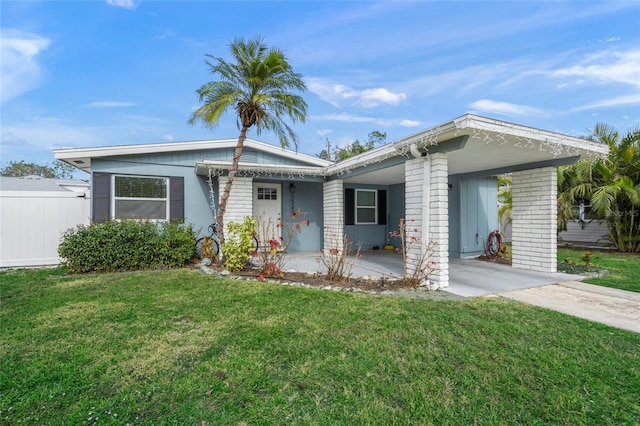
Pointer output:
x,y
126,245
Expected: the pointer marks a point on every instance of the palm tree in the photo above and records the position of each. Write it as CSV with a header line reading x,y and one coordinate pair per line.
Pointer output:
x,y
505,199
611,184
258,85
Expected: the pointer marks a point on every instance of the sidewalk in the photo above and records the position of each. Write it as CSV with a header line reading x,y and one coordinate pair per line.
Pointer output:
x,y
610,306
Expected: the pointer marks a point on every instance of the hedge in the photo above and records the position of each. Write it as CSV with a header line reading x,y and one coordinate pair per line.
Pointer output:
x,y
126,245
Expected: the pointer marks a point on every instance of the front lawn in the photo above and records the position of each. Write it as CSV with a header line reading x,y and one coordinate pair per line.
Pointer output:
x,y
623,269
179,347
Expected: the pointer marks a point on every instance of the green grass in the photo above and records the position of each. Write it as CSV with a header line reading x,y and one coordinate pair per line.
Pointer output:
x,y
178,347
623,269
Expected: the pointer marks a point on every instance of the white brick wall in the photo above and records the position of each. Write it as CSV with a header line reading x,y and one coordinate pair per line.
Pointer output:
x,y
240,202
333,202
534,219
438,230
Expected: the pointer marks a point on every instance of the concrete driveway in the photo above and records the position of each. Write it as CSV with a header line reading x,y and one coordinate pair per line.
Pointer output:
x,y
471,278
617,308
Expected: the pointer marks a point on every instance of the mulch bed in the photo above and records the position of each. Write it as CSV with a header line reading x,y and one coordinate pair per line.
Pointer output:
x,y
495,259
319,281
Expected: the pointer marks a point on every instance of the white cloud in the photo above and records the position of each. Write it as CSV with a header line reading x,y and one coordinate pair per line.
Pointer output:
x,y
409,123
349,118
335,94
606,67
110,104
168,138
8,138
505,108
375,97
48,132
20,71
612,102
125,4
324,132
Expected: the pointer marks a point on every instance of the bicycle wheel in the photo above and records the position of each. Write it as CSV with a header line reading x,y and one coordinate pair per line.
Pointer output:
x,y
494,243
207,249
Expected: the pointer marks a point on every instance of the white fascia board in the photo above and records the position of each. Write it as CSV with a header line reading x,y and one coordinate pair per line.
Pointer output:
x,y
476,122
83,153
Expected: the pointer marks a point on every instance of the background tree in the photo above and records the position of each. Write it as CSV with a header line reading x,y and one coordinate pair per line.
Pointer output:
x,y
59,170
611,185
354,148
259,86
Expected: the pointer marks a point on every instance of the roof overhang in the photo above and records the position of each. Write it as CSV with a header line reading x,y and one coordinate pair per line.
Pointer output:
x,y
474,145
82,157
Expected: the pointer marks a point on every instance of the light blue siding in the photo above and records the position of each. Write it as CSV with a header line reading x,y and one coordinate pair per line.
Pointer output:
x,y
473,214
369,236
308,195
196,190
308,200
395,210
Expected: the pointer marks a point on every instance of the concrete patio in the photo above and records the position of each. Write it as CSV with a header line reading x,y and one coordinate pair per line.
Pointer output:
x,y
467,278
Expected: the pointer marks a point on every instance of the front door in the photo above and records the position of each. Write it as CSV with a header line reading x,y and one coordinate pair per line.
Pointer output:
x,y
267,208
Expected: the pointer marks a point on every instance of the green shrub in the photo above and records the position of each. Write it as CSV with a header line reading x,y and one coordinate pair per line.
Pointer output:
x,y
126,245
238,246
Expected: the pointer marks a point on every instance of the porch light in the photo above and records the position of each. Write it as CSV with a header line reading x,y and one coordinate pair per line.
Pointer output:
x,y
292,188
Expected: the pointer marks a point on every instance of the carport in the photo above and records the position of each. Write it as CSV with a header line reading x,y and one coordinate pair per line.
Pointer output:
x,y
427,167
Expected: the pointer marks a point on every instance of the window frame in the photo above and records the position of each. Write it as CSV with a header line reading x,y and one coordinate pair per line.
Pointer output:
x,y
266,193
374,207
166,198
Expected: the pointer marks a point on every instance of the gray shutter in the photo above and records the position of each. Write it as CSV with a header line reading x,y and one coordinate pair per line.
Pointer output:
x,y
176,198
382,207
349,206
101,195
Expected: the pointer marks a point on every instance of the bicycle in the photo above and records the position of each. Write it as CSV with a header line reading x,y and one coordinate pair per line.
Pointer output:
x,y
208,247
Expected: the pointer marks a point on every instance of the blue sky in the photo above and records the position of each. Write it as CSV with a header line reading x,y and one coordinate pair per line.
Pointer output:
x,y
117,72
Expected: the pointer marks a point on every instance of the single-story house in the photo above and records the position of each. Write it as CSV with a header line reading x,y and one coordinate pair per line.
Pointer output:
x,y
34,214
441,181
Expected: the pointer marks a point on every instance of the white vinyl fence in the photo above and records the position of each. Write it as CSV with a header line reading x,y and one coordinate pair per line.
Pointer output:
x,y
32,224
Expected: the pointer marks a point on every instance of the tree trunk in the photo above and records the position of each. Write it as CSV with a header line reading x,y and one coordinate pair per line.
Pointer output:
x,y
224,198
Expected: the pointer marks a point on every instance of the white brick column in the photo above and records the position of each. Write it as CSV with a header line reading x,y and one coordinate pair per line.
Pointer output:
x,y
439,218
534,219
426,201
240,203
333,203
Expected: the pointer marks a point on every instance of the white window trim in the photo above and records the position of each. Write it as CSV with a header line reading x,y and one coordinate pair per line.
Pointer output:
x,y
167,198
374,207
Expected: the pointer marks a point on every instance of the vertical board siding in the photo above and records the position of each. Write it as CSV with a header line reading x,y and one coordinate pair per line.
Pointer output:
x,y
32,225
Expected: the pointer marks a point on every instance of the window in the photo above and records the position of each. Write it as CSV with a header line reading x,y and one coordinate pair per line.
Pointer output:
x,y
369,207
267,193
139,197
366,207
